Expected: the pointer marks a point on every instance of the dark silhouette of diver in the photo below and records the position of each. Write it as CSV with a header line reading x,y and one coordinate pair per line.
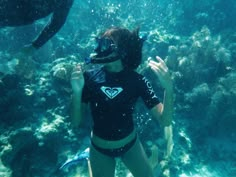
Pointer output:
x,y
24,12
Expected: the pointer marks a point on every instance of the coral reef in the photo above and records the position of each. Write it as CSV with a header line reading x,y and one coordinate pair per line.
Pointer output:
x,y
204,74
62,69
37,129
203,70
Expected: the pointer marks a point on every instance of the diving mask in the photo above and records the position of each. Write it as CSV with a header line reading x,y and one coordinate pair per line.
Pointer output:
x,y
106,51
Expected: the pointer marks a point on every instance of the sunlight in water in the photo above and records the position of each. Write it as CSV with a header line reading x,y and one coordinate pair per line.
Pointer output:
x,y
185,136
185,159
202,172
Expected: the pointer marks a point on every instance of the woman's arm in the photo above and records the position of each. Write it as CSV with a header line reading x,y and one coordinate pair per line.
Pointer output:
x,y
77,83
163,112
76,111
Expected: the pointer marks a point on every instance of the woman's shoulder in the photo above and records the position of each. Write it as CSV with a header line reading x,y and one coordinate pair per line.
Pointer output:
x,y
135,77
134,73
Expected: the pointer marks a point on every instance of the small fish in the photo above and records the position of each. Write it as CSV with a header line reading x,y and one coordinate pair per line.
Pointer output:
x,y
76,159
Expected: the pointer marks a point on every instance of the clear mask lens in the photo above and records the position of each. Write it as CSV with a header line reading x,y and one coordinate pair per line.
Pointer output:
x,y
105,46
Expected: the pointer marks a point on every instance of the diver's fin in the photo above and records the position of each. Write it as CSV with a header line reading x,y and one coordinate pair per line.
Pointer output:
x,y
76,159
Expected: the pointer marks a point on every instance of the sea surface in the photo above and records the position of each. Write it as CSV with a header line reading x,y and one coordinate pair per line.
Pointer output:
x,y
197,40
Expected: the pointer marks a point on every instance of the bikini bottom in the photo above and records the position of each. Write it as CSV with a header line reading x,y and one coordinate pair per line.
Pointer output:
x,y
118,152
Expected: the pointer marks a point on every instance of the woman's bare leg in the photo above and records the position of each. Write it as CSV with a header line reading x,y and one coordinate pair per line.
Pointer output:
x,y
100,165
137,162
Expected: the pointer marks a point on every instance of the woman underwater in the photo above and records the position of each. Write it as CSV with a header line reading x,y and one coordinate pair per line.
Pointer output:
x,y
111,92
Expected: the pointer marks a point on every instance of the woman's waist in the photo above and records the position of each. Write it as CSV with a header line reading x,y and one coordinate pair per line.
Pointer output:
x,y
113,131
113,144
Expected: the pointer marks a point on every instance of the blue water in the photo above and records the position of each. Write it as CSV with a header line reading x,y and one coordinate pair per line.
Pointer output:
x,y
197,39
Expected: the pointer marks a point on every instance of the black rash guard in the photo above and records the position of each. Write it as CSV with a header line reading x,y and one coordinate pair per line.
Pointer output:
x,y
23,12
112,98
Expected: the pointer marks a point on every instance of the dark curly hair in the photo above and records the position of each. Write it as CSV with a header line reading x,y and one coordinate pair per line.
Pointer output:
x,y
129,45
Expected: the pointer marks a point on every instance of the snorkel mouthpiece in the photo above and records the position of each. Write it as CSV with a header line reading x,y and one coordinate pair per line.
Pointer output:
x,y
87,60
143,36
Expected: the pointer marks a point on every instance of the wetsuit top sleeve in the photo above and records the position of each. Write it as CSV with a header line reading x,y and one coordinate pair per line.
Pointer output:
x,y
147,93
56,22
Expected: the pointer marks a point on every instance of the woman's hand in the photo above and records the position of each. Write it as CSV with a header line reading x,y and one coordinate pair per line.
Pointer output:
x,y
161,70
77,79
